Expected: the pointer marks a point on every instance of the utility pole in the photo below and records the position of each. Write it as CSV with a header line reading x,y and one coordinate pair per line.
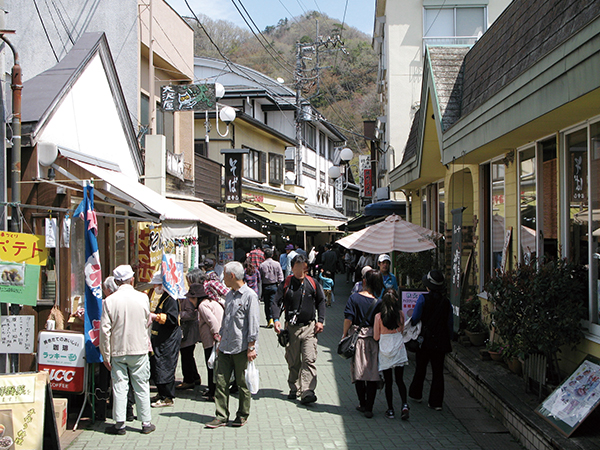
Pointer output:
x,y
300,80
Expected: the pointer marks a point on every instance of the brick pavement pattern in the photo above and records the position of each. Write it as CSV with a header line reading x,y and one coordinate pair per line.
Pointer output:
x,y
331,423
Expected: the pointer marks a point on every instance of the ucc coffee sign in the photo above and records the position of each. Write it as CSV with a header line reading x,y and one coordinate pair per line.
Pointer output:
x,y
62,355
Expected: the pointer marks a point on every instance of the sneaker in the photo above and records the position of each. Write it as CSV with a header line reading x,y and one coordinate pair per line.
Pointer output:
x,y
156,398
216,423
162,403
239,422
405,412
182,386
270,324
114,430
308,398
147,429
292,395
436,408
369,414
390,414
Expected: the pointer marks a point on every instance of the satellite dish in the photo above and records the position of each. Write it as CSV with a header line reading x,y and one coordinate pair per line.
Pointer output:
x,y
47,153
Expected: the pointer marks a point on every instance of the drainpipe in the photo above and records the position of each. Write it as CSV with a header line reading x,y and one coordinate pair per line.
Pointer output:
x,y
17,87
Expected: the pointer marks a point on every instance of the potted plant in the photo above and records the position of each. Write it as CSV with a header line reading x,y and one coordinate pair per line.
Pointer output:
x,y
471,322
494,349
537,308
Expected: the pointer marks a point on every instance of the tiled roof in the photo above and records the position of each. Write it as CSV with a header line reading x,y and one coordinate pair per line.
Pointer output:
x,y
526,32
447,68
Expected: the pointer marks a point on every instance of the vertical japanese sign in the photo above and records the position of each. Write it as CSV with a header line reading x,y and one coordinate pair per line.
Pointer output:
x,y
149,250
233,177
455,287
188,97
578,176
366,182
339,193
93,277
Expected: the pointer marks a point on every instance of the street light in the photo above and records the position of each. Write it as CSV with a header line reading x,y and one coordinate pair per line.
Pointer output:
x,y
227,114
336,172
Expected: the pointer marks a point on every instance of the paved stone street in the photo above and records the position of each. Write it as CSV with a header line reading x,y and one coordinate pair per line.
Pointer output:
x,y
331,423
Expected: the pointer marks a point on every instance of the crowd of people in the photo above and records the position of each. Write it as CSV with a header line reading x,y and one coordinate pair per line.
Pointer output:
x,y
221,311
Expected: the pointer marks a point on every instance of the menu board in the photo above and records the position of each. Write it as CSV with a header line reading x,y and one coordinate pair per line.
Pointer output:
x,y
568,406
409,301
16,334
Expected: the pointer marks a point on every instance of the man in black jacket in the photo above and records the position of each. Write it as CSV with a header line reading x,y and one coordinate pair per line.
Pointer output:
x,y
300,297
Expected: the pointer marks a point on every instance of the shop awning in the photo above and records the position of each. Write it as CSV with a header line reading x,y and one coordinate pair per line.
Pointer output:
x,y
301,222
216,219
140,195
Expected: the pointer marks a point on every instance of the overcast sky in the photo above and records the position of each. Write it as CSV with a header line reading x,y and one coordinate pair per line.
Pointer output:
x,y
359,13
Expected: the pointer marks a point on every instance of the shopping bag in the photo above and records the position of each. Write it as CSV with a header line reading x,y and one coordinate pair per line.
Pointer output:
x,y
213,356
252,378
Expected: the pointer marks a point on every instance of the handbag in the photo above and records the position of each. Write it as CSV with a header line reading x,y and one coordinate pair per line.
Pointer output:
x,y
413,340
347,346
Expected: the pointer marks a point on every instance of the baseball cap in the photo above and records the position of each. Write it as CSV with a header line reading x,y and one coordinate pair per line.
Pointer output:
x,y
384,257
123,272
365,270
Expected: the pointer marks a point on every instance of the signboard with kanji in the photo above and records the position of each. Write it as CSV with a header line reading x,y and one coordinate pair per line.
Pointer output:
x,y
409,301
233,177
188,97
62,355
149,250
16,334
23,248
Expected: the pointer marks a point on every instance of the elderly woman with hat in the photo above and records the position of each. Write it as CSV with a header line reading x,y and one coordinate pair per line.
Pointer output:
x,y
434,310
166,340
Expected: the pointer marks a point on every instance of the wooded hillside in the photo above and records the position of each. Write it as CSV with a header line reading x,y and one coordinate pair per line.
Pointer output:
x,y
346,94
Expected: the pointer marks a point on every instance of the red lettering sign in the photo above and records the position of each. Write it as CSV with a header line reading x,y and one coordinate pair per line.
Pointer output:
x,y
368,185
67,379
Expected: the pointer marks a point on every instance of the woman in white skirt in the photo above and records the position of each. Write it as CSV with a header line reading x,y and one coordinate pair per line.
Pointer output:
x,y
387,329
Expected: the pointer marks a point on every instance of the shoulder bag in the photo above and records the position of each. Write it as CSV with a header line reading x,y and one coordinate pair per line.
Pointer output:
x,y
347,346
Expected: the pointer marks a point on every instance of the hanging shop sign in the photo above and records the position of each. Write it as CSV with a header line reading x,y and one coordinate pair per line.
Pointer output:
x,y
149,250
23,248
172,274
234,169
19,283
575,399
62,355
16,334
188,97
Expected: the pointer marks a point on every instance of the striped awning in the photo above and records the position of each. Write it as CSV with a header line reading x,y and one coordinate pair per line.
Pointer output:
x,y
393,234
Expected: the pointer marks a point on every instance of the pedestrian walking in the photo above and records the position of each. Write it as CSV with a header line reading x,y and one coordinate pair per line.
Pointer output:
x,y
359,317
389,279
291,254
271,275
166,340
387,330
190,328
212,285
435,312
300,297
256,257
330,260
210,319
252,277
237,347
327,279
358,286
124,347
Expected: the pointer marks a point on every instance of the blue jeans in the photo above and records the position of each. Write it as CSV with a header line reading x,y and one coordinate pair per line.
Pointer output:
x,y
139,368
268,294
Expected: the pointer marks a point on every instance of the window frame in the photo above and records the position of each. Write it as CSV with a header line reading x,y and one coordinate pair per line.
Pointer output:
x,y
259,170
276,178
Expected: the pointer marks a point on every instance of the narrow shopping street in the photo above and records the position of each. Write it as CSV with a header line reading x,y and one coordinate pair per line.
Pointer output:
x,y
331,423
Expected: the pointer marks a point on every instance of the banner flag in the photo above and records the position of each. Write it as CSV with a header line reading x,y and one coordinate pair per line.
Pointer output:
x,y
172,273
93,277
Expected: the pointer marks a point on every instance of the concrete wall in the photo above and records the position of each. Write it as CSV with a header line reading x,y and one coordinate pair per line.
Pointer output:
x,y
65,22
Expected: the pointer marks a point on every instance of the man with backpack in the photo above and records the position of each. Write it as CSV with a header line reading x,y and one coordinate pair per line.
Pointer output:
x,y
302,299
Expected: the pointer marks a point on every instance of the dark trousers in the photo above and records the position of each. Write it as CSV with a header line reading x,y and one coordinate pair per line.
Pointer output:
x,y
211,373
366,391
188,364
268,294
388,374
436,393
166,390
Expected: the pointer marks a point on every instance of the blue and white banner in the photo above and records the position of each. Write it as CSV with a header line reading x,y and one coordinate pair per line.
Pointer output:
x,y
172,273
93,277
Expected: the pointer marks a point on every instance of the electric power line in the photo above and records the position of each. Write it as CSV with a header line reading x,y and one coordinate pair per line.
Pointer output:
x,y
55,26
62,21
45,30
